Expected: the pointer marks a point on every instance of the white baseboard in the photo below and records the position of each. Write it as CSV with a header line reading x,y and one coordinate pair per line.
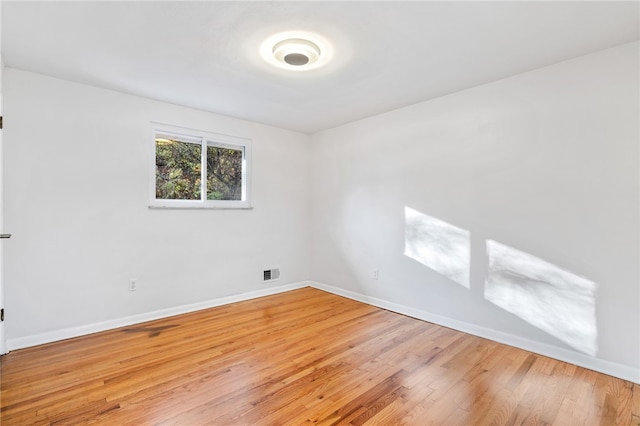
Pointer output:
x,y
600,365
68,333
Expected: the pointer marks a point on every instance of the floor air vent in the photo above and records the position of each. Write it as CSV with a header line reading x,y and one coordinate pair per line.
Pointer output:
x,y
271,274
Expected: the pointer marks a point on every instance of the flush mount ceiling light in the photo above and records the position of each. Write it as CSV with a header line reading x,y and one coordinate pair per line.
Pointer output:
x,y
296,51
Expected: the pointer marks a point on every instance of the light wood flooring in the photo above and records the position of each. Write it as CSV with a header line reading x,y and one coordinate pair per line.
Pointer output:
x,y
301,357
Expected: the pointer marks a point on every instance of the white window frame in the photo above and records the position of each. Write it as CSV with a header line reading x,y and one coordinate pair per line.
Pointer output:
x,y
206,139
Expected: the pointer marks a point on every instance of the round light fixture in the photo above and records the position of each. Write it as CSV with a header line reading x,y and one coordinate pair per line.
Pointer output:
x,y
296,51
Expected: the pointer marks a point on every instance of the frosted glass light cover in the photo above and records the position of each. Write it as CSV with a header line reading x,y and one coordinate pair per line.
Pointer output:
x,y
296,51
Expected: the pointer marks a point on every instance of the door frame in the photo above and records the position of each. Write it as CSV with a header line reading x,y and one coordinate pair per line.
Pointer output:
x,y
3,345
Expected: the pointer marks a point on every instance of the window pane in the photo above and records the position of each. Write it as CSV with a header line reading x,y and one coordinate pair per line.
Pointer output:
x,y
178,166
224,173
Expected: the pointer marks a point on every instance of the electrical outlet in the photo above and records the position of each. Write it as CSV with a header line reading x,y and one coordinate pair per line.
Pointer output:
x,y
133,284
376,274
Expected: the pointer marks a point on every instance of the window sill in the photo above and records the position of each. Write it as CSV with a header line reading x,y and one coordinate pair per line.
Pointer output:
x,y
198,207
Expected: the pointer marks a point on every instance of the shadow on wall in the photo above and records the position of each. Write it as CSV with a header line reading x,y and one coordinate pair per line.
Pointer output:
x,y
540,293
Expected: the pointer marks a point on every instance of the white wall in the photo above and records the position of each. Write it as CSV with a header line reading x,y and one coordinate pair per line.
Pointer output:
x,y
78,165
545,162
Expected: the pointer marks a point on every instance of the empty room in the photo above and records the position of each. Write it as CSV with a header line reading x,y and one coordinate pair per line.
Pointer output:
x,y
286,213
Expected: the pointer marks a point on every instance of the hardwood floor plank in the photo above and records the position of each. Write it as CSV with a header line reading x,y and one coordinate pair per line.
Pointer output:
x,y
635,405
301,357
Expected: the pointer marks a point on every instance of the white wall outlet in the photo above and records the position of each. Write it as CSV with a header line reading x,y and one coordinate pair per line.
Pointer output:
x,y
376,274
133,284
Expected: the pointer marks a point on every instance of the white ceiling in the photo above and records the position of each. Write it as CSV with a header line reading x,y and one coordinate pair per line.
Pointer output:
x,y
387,54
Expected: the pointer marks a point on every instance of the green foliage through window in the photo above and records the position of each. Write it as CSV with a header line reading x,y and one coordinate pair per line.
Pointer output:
x,y
224,173
179,163
178,170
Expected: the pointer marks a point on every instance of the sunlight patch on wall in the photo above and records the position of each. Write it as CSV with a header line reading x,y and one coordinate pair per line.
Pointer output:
x,y
544,295
438,245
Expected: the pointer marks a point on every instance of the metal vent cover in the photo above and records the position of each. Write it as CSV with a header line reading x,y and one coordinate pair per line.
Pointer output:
x,y
271,274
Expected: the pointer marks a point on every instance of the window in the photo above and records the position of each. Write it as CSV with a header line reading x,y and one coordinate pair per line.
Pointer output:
x,y
196,169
